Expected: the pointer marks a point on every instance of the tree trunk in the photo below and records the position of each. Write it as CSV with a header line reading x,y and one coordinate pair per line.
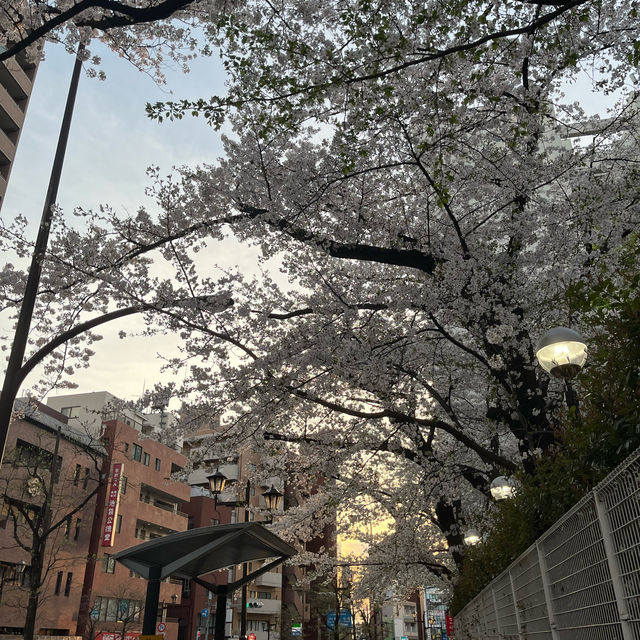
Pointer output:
x,y
37,563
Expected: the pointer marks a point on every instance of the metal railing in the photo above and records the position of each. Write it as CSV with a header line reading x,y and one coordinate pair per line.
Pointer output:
x,y
579,581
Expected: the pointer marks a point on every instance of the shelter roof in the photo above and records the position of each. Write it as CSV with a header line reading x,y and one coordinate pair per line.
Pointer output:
x,y
193,553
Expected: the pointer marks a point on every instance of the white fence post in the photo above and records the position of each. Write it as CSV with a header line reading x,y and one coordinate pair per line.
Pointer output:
x,y
495,608
546,587
515,607
614,567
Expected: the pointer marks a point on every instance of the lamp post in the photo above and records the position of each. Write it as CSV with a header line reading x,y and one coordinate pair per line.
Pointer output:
x,y
502,488
216,481
471,537
562,353
272,499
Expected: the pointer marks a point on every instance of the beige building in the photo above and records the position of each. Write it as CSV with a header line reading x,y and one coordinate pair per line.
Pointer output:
x,y
16,81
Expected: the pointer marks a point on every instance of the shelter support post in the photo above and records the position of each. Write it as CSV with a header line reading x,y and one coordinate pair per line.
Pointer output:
x,y
151,603
221,613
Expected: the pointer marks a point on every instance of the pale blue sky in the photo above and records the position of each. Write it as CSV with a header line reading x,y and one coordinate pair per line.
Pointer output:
x,y
111,144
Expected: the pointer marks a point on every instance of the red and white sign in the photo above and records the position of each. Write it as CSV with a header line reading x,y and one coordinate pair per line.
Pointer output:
x,y
113,499
162,627
450,626
251,636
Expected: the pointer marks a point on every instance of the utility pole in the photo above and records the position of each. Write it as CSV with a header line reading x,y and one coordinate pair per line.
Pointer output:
x,y
10,386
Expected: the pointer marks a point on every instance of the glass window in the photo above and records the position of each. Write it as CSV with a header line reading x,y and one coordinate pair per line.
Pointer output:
x,y
58,582
108,564
123,485
76,475
126,447
136,452
112,610
146,459
85,482
118,523
67,586
76,535
157,464
70,412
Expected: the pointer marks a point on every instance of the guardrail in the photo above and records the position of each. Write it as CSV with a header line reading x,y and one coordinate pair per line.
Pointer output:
x,y
579,581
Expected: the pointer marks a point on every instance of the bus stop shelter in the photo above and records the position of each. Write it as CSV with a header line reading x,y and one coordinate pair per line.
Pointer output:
x,y
195,553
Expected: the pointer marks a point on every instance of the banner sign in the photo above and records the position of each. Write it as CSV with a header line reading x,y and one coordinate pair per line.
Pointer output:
x,y
450,626
113,499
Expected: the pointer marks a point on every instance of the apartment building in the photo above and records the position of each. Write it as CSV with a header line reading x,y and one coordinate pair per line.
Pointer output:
x,y
16,82
140,501
264,595
25,475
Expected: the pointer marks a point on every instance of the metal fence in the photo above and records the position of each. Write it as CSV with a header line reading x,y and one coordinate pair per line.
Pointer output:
x,y
579,581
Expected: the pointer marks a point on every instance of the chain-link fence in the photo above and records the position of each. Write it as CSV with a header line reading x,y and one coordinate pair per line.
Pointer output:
x,y
579,581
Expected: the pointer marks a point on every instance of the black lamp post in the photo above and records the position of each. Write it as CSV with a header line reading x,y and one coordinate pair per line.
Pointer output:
x,y
562,353
272,499
217,481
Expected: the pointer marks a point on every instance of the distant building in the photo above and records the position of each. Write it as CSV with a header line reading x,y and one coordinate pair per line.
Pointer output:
x,y
28,461
264,595
16,82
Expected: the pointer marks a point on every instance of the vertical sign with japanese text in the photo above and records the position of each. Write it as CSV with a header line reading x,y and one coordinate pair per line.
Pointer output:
x,y
113,498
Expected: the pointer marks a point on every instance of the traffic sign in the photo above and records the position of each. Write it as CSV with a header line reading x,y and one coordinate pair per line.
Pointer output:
x,y
204,613
251,636
162,627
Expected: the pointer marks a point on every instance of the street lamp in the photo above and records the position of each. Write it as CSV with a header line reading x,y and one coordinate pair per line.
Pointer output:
x,y
502,488
471,537
216,485
272,499
562,352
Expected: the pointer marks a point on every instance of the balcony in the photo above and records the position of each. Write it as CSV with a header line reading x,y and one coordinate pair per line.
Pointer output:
x,y
269,579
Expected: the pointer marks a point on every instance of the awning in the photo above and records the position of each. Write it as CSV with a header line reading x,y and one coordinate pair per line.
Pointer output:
x,y
193,553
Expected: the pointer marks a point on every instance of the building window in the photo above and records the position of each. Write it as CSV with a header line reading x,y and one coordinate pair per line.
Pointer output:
x,y
118,523
85,482
234,516
253,491
252,516
189,522
126,447
31,456
67,527
76,475
58,583
123,485
136,452
146,459
117,609
67,586
264,595
157,464
108,564
70,412
76,535
215,521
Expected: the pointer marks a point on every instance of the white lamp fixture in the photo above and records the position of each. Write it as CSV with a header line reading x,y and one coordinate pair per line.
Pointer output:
x,y
562,352
471,537
502,488
216,482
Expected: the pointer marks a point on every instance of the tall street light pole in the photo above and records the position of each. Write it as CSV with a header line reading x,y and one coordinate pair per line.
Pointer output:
x,y
10,386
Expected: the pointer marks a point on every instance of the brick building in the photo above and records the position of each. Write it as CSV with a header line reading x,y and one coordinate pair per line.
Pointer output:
x,y
147,506
24,484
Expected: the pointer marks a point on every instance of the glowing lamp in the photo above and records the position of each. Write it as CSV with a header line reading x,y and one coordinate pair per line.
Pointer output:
x,y
471,537
272,498
562,352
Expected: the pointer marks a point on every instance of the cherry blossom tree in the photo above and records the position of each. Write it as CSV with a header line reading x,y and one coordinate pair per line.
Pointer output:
x,y
409,168
145,32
